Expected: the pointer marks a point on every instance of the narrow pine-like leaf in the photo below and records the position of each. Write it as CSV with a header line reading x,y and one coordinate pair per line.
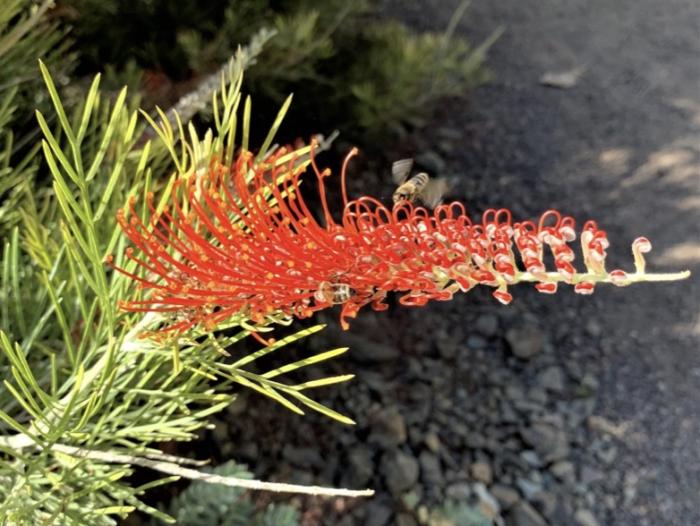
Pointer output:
x,y
306,361
275,127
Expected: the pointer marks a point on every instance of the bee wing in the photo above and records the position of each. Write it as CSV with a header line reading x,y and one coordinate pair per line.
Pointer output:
x,y
401,169
434,191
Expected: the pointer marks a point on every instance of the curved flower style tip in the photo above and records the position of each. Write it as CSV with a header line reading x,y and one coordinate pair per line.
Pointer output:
x,y
242,241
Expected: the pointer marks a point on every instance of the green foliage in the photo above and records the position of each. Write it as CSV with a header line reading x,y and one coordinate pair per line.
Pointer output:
x,y
209,505
85,395
26,35
406,74
349,69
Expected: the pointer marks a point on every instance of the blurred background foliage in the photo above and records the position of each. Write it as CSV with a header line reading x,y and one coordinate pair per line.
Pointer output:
x,y
349,68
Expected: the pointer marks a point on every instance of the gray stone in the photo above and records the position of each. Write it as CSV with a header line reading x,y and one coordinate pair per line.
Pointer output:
x,y
388,428
482,472
528,488
366,350
432,441
590,475
607,453
486,325
525,342
532,458
404,519
378,513
563,471
360,468
585,518
552,379
447,347
302,477
431,471
523,514
305,457
550,442
476,342
507,497
546,503
248,451
459,491
400,471
488,504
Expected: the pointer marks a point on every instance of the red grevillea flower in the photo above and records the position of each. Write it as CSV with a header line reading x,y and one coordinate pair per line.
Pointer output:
x,y
241,240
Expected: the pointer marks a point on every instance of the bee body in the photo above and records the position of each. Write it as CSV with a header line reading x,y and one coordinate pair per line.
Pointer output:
x,y
333,293
418,187
412,188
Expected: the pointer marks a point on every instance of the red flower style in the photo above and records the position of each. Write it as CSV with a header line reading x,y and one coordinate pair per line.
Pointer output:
x,y
242,240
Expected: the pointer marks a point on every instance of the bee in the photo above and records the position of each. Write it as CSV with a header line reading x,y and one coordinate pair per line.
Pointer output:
x,y
420,186
334,293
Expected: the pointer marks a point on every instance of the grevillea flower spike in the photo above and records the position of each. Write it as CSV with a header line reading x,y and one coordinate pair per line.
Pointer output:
x,y
241,240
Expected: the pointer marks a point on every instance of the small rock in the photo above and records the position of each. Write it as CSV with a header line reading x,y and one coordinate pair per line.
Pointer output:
x,y
447,347
593,328
552,379
486,325
506,496
404,519
476,342
360,468
431,161
591,475
528,488
400,471
550,442
585,518
459,491
423,514
525,342
302,477
607,453
431,471
546,503
305,457
590,382
432,441
488,504
564,471
605,426
388,428
378,513
366,350
474,440
562,79
532,458
482,472
523,514
248,451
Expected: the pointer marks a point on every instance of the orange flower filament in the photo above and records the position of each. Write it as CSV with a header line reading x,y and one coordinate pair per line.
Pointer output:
x,y
242,240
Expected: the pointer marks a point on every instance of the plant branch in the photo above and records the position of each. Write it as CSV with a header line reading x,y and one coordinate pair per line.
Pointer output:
x,y
636,277
173,466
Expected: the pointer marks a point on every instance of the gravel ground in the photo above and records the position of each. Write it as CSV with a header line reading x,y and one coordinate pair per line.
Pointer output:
x,y
561,410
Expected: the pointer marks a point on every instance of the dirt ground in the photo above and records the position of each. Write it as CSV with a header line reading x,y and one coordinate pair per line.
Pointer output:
x,y
623,146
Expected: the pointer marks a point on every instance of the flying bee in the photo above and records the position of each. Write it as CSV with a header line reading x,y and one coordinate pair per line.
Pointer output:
x,y
420,186
334,293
